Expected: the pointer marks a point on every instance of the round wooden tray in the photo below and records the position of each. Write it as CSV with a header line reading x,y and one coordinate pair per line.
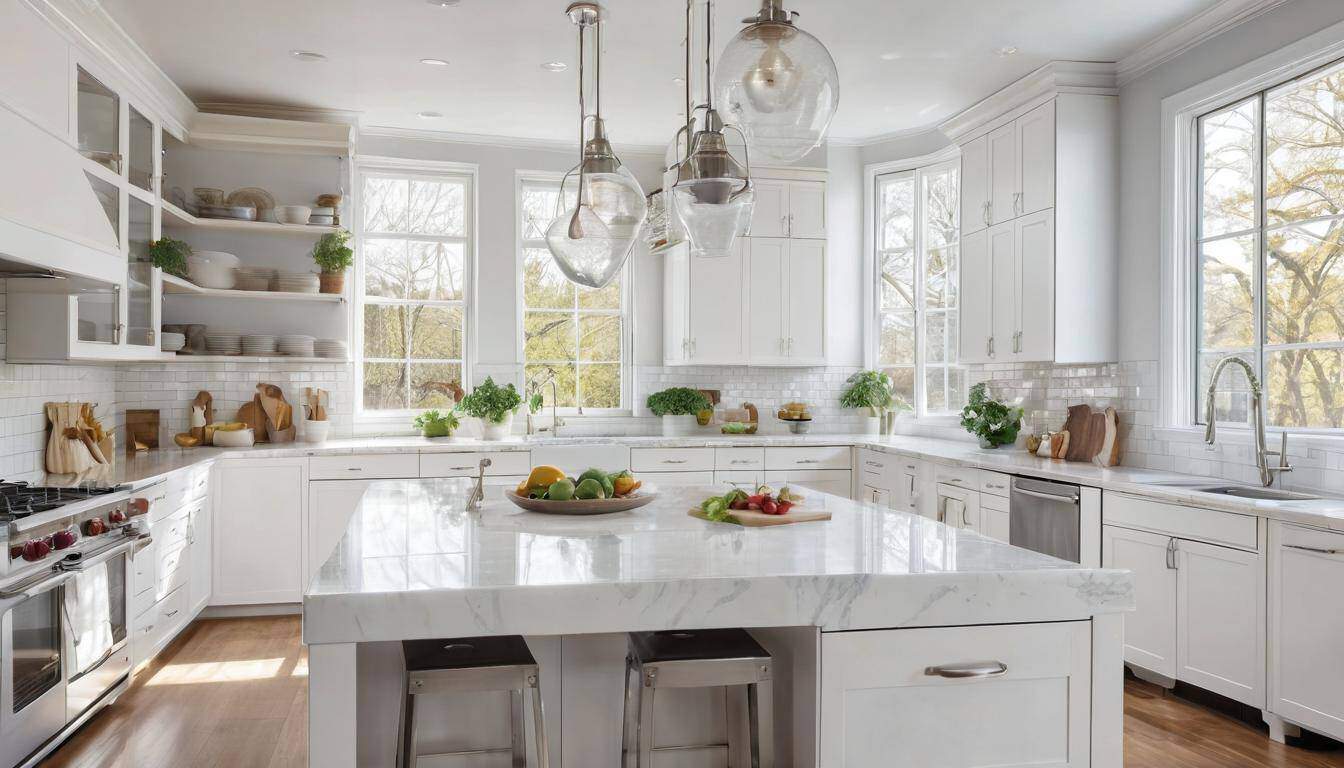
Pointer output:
x,y
580,506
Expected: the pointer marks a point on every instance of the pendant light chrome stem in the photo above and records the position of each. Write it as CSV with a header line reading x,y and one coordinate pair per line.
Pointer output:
x,y
586,14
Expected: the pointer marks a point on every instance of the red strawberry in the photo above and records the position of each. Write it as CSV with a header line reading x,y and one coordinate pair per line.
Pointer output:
x,y
784,507
770,508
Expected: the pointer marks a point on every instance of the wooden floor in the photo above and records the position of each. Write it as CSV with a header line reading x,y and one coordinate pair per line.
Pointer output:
x,y
235,693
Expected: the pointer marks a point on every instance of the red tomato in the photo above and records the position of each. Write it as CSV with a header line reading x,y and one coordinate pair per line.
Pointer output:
x,y
770,508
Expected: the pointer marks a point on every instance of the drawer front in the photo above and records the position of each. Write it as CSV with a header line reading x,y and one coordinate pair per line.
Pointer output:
x,y
574,459
199,482
995,483
174,567
1194,523
172,531
173,612
746,479
672,459
176,491
963,477
468,464
879,463
364,466
737,459
964,721
824,457
656,480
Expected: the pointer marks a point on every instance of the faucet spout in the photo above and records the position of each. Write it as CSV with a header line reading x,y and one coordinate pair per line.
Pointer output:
x,y
1262,454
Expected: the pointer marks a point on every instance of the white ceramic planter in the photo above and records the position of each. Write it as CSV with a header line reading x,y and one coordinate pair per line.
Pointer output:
x,y
872,425
496,430
678,426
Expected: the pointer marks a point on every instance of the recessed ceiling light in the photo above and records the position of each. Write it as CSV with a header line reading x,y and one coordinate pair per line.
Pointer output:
x,y
307,55
428,115
1007,50
555,66
434,62
443,3
890,56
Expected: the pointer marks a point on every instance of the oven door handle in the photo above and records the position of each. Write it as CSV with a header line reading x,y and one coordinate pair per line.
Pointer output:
x,y
106,553
1047,496
31,588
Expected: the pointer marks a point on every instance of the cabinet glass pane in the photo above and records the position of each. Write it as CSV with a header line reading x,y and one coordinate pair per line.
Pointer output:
x,y
97,316
99,111
140,275
108,196
141,161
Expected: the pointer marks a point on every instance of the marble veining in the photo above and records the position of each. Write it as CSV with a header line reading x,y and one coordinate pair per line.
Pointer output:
x,y
413,563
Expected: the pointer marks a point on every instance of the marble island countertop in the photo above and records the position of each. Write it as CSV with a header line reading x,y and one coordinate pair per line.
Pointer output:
x,y
414,564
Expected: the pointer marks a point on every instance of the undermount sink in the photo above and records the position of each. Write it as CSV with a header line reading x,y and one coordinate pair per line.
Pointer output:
x,y
1254,492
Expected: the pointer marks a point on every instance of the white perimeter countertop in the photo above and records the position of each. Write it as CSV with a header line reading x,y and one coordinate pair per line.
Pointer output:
x,y
414,564
1163,486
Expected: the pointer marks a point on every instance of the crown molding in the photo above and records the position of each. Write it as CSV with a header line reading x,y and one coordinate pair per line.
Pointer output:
x,y
349,117
504,142
1202,27
88,26
1050,80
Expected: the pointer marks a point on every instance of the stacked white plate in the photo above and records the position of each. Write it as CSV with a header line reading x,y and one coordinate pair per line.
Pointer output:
x,y
324,216
223,343
334,348
259,345
254,278
295,345
172,342
297,282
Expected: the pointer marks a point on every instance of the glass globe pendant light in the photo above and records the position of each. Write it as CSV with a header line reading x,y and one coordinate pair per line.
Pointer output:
x,y
779,84
713,195
591,241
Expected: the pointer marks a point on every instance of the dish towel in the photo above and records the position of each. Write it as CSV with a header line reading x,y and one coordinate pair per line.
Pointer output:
x,y
954,511
88,609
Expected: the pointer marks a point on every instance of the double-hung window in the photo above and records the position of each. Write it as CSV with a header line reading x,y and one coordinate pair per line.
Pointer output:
x,y
1269,238
573,335
916,264
414,273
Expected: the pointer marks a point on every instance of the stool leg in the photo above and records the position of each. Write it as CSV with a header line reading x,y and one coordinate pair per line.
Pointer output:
x,y
517,731
737,725
406,752
760,712
645,726
629,749
539,726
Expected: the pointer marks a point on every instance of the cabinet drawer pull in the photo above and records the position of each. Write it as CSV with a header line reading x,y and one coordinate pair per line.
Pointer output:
x,y
148,629
354,469
1171,554
807,461
741,461
1317,550
968,669
171,614
674,461
877,464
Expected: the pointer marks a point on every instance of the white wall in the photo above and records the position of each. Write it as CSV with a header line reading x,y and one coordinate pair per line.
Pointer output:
x,y
844,253
1141,152
903,147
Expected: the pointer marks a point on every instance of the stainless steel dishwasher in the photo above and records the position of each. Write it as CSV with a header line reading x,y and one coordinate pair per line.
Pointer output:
x,y
1045,516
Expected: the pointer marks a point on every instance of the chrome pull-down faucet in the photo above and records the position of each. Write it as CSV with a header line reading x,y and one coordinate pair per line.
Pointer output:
x,y
477,496
1267,472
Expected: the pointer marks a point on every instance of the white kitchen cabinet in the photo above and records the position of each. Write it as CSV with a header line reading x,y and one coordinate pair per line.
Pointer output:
x,y
455,464
959,506
1220,607
1150,629
1306,629
789,208
1003,170
974,187
260,507
331,504
202,555
672,460
837,482
33,47
911,475
805,314
1050,170
1036,159
655,480
875,495
717,315
807,210
1026,700
770,212
994,520
767,265
676,304
745,478
368,466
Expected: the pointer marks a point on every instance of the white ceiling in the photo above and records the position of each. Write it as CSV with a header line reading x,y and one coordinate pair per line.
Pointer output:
x,y
904,64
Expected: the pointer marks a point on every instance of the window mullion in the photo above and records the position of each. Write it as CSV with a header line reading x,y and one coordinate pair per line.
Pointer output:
x,y
1260,237
921,316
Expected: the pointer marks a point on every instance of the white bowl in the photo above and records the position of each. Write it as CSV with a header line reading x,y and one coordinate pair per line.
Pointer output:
x,y
172,342
292,214
210,275
214,257
239,438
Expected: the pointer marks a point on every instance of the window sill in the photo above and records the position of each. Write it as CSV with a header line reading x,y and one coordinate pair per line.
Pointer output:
x,y
1298,442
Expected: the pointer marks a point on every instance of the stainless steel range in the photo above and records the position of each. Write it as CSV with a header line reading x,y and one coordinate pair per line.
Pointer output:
x,y
64,609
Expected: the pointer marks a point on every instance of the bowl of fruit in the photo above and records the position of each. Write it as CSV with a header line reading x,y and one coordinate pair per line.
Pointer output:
x,y
595,492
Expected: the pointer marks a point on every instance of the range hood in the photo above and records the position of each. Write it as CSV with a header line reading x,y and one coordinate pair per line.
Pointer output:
x,y
51,221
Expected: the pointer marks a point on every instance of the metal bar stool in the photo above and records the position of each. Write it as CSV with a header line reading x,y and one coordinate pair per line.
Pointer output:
x,y
474,664
700,658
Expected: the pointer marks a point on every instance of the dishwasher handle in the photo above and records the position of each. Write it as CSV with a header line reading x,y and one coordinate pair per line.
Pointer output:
x,y
1071,497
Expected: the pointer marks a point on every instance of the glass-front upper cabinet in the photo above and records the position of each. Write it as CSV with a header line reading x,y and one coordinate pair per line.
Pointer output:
x,y
140,325
98,123
140,151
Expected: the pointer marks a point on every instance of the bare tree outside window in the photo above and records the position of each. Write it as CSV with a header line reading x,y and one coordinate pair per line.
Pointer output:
x,y
575,333
413,249
917,258
1270,240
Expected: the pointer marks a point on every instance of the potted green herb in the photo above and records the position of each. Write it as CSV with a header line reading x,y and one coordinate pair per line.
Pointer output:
x,y
872,390
334,255
435,423
994,422
678,407
494,406
170,255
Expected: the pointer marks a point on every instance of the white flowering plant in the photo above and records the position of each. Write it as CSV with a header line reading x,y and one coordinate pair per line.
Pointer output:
x,y
994,422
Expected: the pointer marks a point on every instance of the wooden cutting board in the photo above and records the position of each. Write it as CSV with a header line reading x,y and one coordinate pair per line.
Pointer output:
x,y
1092,436
752,519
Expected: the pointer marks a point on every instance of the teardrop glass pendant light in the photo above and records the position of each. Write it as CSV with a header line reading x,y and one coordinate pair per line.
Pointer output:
x,y
713,196
591,241
779,84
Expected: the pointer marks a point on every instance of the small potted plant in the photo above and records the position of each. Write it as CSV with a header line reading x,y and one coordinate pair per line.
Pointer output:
x,y
334,255
170,255
435,423
678,407
871,390
995,423
494,406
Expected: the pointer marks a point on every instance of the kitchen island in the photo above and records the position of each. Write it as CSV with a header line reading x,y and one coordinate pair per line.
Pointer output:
x,y
848,607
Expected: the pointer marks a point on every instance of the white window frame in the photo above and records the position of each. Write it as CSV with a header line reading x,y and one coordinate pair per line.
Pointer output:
x,y
627,311
1177,417
429,170
916,167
